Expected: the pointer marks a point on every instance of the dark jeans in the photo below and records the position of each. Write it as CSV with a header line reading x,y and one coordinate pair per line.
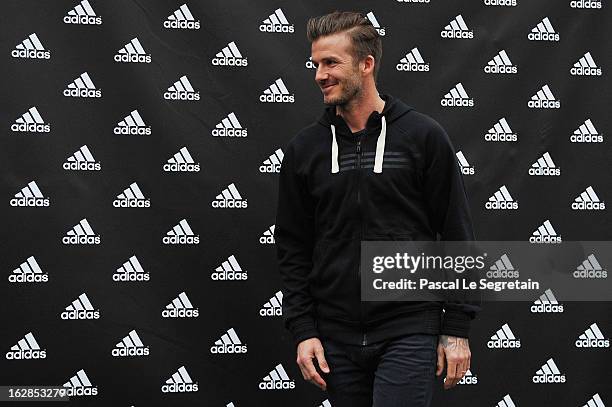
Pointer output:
x,y
398,372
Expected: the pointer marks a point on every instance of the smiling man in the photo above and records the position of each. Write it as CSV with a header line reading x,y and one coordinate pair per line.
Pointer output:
x,y
371,168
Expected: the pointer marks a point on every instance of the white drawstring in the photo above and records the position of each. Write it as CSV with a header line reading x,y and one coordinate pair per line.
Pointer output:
x,y
334,158
380,147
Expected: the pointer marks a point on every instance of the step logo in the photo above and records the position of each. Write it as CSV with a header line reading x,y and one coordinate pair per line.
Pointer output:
x,y
501,131
457,97
544,31
586,133
544,166
229,127
180,382
464,165
506,402
80,308
588,4
132,197
586,66
468,378
372,18
130,345
588,200
457,28
230,56
277,92
31,122
413,62
82,13
544,99
82,160
273,307
181,234
277,379
503,268
268,236
502,3
229,198
500,64
272,164
181,162
547,303
549,373
82,87
26,348
132,52
504,339
81,233
592,338
182,90
30,195
79,385
180,307
545,233
182,19
31,48
501,199
131,270
228,343
590,268
229,270
276,23
28,272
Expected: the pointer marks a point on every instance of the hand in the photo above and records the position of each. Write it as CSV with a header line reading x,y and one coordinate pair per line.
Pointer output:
x,y
307,351
456,352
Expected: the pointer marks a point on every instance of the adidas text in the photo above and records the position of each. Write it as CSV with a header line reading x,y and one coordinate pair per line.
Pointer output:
x,y
507,3
133,351
228,348
181,239
83,93
590,274
592,343
179,387
81,166
81,391
274,98
81,240
182,24
31,127
93,20
181,95
585,4
80,314
230,203
545,171
548,378
132,203
181,313
230,132
29,201
277,385
30,53
542,308
182,167
503,343
28,278
26,354
227,275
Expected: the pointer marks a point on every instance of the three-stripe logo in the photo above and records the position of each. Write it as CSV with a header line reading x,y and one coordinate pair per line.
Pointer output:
x,y
549,373
229,270
182,162
80,308
32,48
372,18
32,122
590,268
182,19
132,52
504,339
413,62
181,234
273,307
180,382
82,13
80,385
276,23
544,99
500,64
545,233
544,166
506,402
586,133
26,348
81,233
464,165
468,378
457,28
277,92
592,338
130,345
28,272
586,66
82,87
132,197
277,379
180,307
29,195
501,199
268,236
272,163
229,343
457,97
543,31
547,303
230,56
82,160
182,90
229,198
503,268
588,200
501,131
229,127
131,270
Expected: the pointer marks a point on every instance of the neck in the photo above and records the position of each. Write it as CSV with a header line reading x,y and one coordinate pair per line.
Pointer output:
x,y
357,111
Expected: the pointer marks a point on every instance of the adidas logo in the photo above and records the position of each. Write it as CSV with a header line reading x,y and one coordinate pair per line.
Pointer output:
x,y
28,272
79,385
81,233
268,236
503,268
544,31
309,64
457,29
544,166
500,64
80,308
273,307
586,4
586,66
131,270
468,378
545,234
457,97
181,162
276,23
506,402
381,30
31,47
32,122
595,401
82,87
26,348
276,93
230,56
182,90
588,200
132,197
586,133
592,338
544,99
546,303
590,268
131,345
229,127
180,307
180,382
326,402
505,3
29,195
181,234
549,373
503,339
82,13
277,379
272,163
82,160
229,198
413,62
182,18
466,168
501,200
229,270
229,343
132,52
500,131
413,1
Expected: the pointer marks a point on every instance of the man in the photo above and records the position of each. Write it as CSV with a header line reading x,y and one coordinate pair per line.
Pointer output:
x,y
371,168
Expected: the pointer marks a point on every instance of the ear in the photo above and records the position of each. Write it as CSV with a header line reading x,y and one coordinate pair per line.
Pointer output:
x,y
368,65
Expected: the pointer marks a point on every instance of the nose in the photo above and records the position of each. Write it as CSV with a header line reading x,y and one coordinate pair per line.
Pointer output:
x,y
320,75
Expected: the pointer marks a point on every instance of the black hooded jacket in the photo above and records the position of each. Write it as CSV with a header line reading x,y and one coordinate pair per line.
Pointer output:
x,y
396,180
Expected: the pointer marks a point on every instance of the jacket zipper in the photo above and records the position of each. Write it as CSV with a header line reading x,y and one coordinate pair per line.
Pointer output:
x,y
364,340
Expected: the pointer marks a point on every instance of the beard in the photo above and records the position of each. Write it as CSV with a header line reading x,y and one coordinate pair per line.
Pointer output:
x,y
350,89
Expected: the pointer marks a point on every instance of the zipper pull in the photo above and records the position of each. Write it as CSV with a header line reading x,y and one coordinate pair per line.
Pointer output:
x,y
364,342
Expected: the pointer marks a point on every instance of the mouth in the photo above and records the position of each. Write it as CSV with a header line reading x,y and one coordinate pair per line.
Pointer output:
x,y
326,88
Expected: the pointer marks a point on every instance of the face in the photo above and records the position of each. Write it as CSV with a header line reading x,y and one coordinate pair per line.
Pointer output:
x,y
337,76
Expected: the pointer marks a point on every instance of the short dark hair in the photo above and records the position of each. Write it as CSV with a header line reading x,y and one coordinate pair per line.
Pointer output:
x,y
363,35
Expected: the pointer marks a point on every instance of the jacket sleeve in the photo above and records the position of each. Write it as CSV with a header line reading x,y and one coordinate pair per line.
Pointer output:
x,y
450,217
294,238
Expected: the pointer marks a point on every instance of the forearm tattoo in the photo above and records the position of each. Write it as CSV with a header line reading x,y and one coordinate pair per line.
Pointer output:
x,y
453,342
